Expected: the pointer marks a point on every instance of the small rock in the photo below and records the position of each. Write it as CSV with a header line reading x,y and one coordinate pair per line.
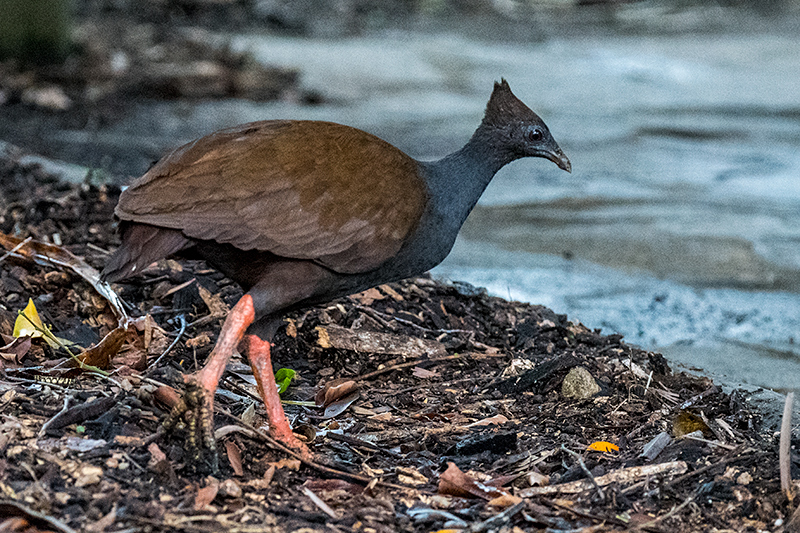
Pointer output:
x,y
579,384
230,489
50,97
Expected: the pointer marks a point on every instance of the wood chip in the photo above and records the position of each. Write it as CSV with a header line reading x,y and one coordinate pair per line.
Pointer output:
x,y
375,342
623,476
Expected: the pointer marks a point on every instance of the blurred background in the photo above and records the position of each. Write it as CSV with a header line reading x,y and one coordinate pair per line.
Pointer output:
x,y
678,228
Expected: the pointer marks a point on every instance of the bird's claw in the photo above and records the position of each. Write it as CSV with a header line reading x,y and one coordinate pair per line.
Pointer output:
x,y
194,409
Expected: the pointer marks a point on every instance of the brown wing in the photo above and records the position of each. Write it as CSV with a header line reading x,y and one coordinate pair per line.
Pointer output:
x,y
298,189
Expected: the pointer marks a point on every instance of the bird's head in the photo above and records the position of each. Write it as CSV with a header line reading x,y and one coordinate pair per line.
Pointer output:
x,y
515,131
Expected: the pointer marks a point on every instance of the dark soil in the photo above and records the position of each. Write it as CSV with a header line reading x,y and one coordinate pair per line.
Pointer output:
x,y
483,391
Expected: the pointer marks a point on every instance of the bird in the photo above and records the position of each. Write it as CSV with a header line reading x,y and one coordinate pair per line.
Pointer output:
x,y
301,212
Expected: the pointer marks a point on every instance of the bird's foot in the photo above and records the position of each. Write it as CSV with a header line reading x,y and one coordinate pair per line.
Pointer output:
x,y
258,352
196,409
290,440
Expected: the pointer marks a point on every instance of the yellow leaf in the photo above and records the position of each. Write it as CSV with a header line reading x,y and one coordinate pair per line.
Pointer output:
x,y
603,446
28,323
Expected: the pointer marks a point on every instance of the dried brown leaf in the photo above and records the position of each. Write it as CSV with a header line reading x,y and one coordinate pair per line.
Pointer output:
x,y
456,483
334,390
101,354
206,495
368,296
234,457
16,350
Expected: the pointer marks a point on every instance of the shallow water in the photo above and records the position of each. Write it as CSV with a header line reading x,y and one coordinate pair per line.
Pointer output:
x,y
680,225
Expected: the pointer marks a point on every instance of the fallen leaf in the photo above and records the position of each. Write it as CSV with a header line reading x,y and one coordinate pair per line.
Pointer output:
x,y
214,302
50,254
101,355
15,351
77,444
537,479
506,500
229,488
687,422
156,455
29,324
333,390
291,328
368,296
391,292
206,494
234,457
339,406
456,483
269,474
88,475
603,446
199,341
104,524
410,476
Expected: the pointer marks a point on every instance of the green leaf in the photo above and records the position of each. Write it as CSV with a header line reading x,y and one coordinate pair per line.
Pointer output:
x,y
283,377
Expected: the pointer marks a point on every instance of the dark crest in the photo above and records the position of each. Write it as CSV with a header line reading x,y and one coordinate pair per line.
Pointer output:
x,y
504,108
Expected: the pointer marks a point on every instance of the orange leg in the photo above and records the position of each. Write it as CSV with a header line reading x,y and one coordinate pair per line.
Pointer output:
x,y
258,352
197,403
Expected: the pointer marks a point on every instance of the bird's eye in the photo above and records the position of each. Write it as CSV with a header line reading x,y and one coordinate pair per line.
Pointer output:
x,y
534,135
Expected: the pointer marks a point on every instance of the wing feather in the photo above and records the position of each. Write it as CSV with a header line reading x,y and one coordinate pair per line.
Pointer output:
x,y
299,189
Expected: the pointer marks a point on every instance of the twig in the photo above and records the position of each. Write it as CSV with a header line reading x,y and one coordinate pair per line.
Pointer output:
x,y
63,410
134,463
153,366
441,384
671,512
97,249
387,319
400,366
324,507
711,442
53,523
496,522
585,471
621,476
362,443
308,462
15,249
554,504
734,455
784,454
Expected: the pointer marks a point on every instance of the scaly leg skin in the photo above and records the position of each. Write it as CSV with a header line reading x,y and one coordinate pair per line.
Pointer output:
x,y
258,352
197,403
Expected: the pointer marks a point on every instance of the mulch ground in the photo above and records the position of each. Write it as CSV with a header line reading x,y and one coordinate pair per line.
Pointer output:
x,y
443,408
428,406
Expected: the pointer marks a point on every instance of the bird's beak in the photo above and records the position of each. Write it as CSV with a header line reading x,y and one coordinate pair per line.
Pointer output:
x,y
559,158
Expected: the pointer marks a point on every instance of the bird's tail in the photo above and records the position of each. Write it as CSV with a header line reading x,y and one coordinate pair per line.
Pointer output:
x,y
142,244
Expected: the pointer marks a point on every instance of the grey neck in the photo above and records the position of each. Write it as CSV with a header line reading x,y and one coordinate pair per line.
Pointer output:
x,y
457,181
